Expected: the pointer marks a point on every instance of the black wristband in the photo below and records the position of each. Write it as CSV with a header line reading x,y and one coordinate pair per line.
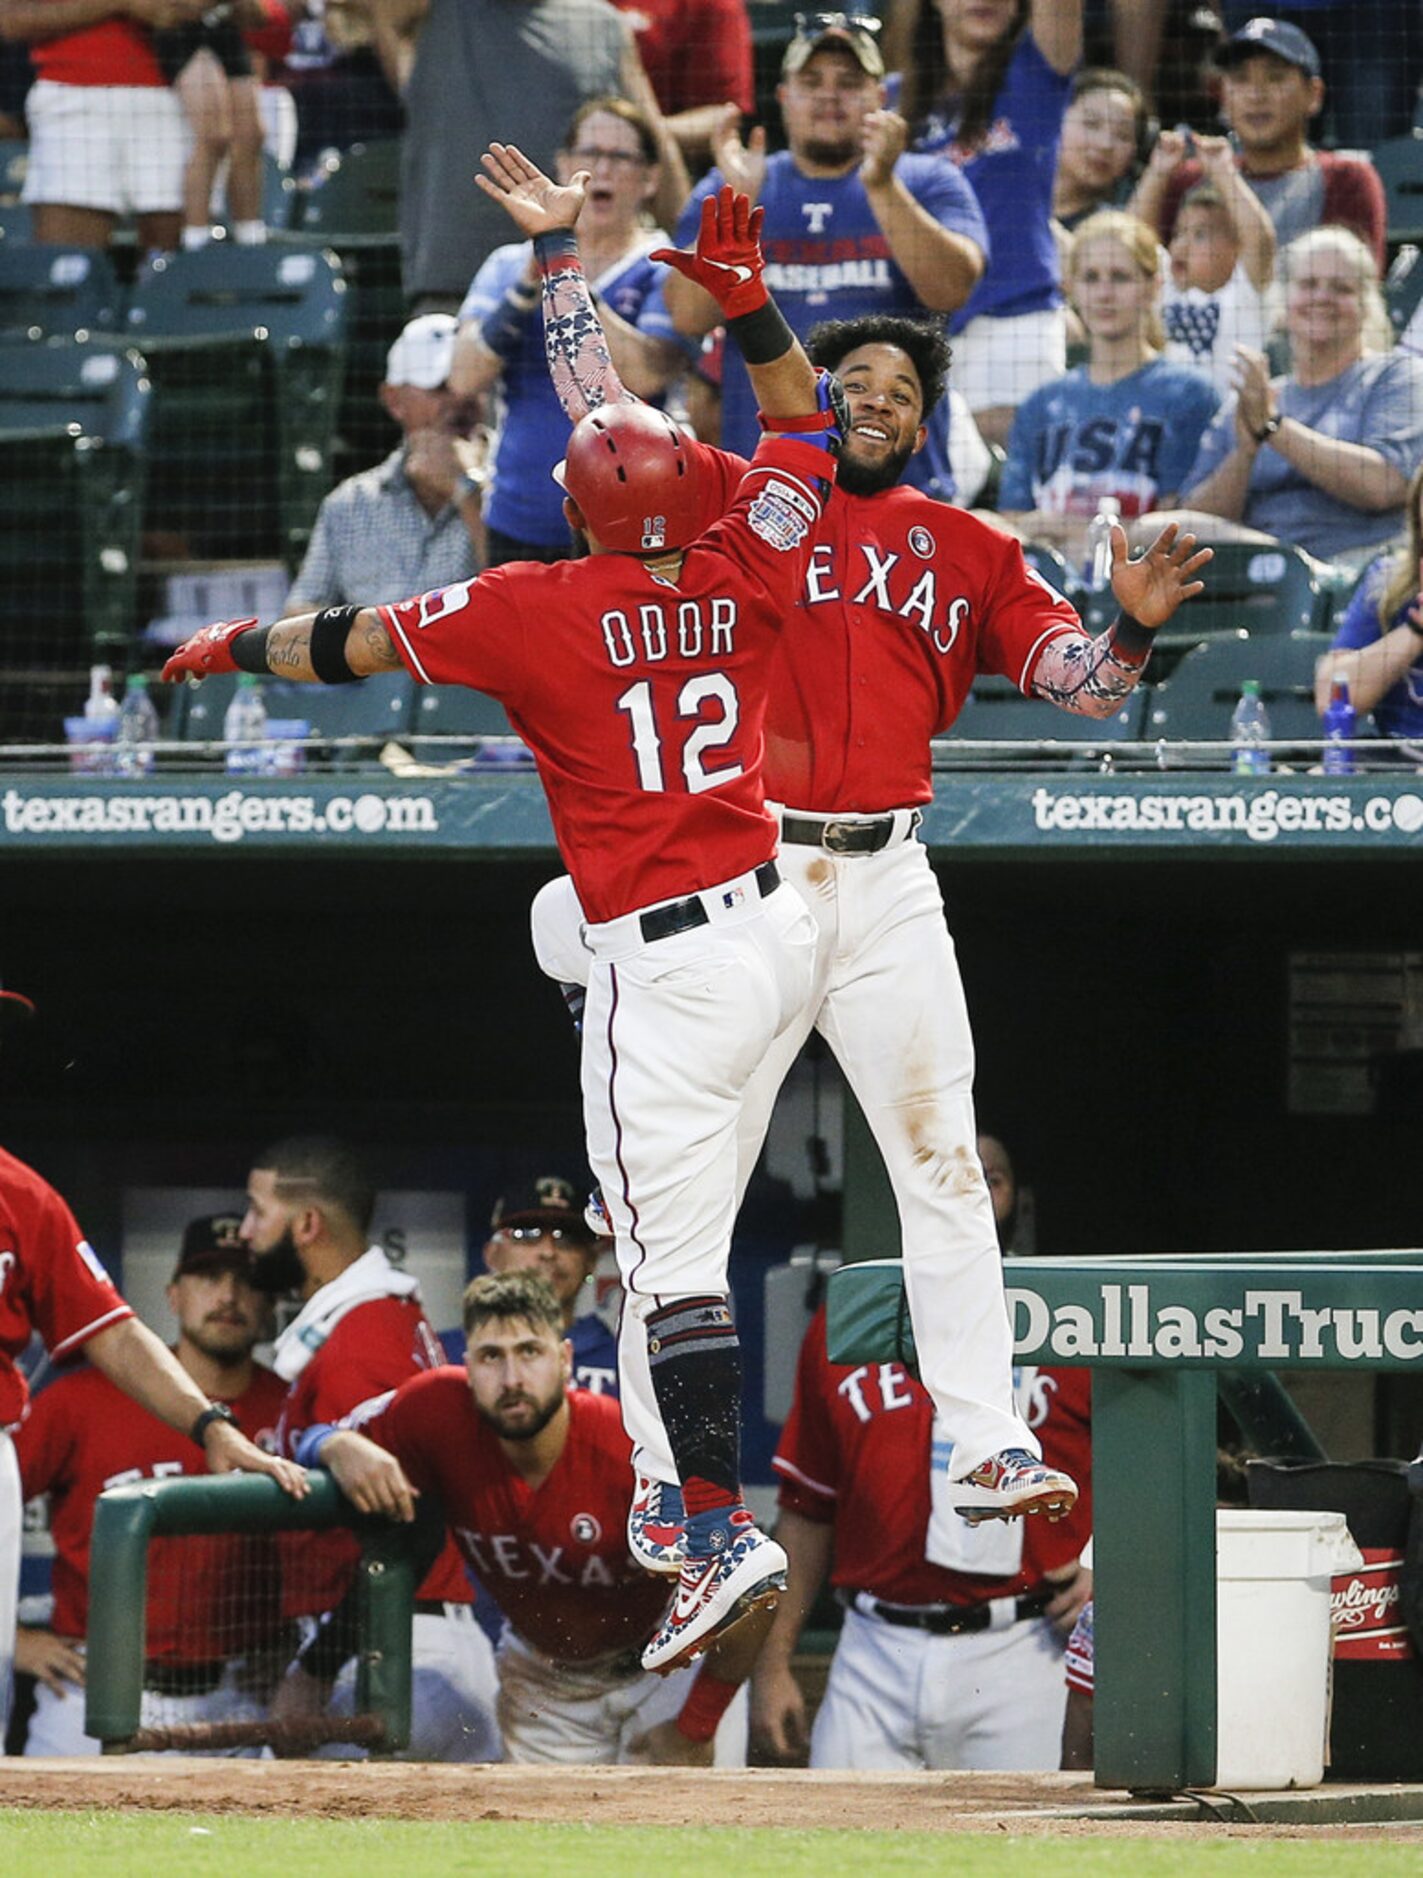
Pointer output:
x,y
1131,635
328,645
249,651
762,337
214,1412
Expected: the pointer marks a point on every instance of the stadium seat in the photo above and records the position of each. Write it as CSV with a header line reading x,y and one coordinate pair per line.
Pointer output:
x,y
374,710
15,222
1250,587
14,160
1403,287
1399,162
48,292
353,207
1054,567
1197,700
996,710
74,418
455,711
245,348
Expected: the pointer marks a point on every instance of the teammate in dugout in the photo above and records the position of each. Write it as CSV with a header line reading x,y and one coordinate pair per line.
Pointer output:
x,y
213,1634
360,1329
534,1479
542,1228
904,600
51,1282
638,677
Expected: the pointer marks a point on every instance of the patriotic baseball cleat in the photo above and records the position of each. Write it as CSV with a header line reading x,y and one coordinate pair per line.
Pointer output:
x,y
716,1592
596,1216
1013,1483
657,1526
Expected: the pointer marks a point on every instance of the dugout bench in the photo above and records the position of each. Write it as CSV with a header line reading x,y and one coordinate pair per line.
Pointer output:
x,y
1158,1333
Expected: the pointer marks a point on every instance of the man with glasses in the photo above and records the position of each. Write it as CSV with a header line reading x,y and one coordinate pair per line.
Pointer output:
x,y
853,224
540,1227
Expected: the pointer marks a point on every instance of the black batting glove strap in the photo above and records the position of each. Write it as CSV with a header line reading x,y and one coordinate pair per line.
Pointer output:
x,y
762,337
328,645
249,651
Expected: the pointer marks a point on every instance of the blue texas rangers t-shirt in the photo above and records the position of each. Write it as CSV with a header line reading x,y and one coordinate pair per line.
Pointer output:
x,y
1074,442
1399,712
826,258
1012,174
524,500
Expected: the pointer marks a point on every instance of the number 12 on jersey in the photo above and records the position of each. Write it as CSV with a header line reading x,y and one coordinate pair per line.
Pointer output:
x,y
708,691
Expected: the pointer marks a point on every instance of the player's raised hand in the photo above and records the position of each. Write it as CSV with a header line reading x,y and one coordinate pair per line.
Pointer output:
x,y
207,653
884,136
536,202
727,261
742,162
1152,586
371,1479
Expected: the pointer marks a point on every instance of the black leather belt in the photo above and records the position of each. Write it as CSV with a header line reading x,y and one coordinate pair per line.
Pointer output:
x,y
174,1679
430,1607
943,1620
687,915
841,837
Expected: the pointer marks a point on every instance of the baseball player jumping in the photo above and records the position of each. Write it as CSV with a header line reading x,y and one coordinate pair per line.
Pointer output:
x,y
638,677
904,600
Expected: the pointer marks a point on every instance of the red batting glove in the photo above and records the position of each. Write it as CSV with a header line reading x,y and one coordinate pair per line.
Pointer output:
x,y
727,260
207,653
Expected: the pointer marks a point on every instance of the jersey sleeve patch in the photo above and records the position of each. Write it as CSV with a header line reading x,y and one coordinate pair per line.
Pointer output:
x,y
781,515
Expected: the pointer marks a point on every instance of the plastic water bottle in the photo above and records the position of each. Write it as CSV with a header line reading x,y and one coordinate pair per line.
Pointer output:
x,y
138,730
1249,732
1097,562
245,723
1339,728
101,722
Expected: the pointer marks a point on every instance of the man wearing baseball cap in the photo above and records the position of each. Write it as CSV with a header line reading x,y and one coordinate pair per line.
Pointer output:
x,y
212,1604
539,1225
414,522
1270,90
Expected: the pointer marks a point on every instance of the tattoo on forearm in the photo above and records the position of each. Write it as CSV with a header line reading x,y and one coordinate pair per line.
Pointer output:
x,y
579,362
1089,676
378,646
288,650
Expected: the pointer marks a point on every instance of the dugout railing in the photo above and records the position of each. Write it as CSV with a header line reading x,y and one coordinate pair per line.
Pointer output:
x,y
1159,1333
127,1518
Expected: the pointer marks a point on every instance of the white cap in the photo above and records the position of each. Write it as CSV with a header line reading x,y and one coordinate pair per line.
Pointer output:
x,y
421,355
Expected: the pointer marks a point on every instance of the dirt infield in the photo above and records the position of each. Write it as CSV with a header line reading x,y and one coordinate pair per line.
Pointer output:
x,y
1017,1803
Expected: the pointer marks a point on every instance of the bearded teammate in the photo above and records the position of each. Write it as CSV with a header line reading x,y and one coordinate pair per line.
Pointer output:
x,y
904,601
361,1329
51,1281
939,1665
638,677
534,1478
213,1604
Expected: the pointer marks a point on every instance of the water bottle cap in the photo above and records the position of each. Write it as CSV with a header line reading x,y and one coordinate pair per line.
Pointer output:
x,y
1250,688
138,682
246,680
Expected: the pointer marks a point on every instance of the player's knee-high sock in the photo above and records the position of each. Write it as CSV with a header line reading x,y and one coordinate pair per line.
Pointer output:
x,y
695,1358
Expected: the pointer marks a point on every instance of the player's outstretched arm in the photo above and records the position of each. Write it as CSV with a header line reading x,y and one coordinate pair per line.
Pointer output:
x,y
332,647
778,1719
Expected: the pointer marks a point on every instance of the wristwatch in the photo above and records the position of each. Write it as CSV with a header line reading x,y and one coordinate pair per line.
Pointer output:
x,y
1268,428
466,486
214,1412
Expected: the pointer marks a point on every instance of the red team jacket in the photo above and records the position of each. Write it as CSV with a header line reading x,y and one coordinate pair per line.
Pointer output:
x,y
600,655
210,1596
855,1451
51,1280
555,1557
904,601
373,1348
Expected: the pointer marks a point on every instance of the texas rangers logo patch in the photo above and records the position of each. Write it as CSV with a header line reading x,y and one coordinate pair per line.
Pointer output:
x,y
585,1529
781,516
922,542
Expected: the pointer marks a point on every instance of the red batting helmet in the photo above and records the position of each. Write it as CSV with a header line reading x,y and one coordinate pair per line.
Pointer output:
x,y
630,471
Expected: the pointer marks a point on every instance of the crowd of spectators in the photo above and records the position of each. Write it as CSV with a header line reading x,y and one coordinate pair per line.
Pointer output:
x,y
1161,312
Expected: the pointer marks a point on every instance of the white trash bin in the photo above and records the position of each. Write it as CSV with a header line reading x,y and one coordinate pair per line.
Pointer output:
x,y
1273,1572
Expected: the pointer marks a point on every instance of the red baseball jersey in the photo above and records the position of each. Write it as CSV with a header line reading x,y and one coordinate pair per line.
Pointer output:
x,y
642,699
50,1280
555,1556
695,52
210,1596
855,1451
373,1348
904,601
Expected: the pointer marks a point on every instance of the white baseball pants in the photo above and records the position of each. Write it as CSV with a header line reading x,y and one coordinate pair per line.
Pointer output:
x,y
591,1715
899,1698
454,1691
57,1725
673,1031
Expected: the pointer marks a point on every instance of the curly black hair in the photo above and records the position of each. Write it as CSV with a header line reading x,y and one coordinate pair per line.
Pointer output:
x,y
922,341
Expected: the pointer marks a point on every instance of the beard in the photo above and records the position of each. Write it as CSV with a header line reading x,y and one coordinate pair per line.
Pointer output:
x,y
279,1269
871,479
544,1412
818,150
